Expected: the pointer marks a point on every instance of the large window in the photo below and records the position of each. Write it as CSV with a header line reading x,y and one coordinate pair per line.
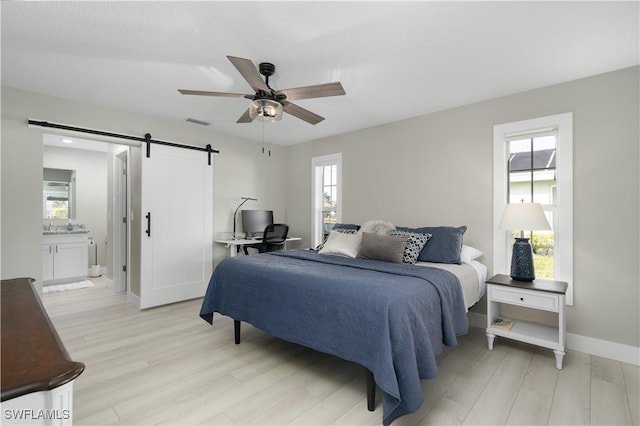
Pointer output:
x,y
326,202
533,163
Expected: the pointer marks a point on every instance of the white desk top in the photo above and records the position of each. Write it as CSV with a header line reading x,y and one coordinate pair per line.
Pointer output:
x,y
232,242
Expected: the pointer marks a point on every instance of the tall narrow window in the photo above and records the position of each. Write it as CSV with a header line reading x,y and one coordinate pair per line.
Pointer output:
x,y
326,202
533,163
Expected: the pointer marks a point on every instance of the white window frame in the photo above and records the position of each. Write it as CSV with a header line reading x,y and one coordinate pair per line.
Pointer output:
x,y
317,196
562,125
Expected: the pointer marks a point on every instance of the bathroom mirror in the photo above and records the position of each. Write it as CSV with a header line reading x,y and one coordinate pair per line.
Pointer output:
x,y
58,193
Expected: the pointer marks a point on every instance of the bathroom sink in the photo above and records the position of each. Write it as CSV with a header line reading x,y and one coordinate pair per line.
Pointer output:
x,y
64,231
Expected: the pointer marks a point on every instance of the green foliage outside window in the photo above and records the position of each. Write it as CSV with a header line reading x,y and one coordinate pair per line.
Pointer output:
x,y
542,243
58,210
543,266
543,260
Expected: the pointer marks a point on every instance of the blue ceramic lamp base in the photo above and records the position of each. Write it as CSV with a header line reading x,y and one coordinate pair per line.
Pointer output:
x,y
522,261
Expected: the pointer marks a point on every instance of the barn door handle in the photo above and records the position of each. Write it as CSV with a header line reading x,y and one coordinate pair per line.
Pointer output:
x,y
148,231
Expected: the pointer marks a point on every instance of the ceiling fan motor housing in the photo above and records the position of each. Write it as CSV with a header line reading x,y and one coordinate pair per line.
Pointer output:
x,y
267,68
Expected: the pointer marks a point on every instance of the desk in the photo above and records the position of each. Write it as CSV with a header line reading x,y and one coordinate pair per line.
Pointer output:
x,y
235,245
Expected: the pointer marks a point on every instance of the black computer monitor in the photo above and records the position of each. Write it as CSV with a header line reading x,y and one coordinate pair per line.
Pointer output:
x,y
254,221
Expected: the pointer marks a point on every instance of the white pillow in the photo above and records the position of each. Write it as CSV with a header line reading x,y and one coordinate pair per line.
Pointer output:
x,y
377,227
342,244
468,253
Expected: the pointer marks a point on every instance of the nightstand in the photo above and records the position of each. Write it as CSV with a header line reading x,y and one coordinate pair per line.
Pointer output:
x,y
545,295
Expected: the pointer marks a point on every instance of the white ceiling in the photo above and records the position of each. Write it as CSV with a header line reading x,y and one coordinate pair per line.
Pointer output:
x,y
73,142
395,59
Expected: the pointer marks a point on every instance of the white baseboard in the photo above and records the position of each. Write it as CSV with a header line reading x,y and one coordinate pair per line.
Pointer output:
x,y
133,299
108,283
604,348
588,345
477,320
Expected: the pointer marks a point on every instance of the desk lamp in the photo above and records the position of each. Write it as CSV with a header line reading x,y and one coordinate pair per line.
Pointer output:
x,y
244,200
523,216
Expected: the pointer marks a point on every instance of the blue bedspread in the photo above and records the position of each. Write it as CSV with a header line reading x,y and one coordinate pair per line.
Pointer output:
x,y
390,318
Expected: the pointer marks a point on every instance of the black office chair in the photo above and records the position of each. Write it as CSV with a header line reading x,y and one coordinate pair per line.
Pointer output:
x,y
273,239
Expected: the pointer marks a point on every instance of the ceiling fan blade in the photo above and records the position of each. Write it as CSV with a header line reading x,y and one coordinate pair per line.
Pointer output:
x,y
205,93
250,73
301,113
245,118
318,91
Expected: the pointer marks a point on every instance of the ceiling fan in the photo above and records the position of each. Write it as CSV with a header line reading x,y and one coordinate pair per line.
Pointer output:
x,y
268,104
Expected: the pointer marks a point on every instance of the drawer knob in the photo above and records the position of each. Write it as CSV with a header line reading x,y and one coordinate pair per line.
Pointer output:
x,y
522,299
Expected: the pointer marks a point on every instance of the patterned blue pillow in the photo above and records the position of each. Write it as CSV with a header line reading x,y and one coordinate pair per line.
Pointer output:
x,y
346,230
345,226
415,244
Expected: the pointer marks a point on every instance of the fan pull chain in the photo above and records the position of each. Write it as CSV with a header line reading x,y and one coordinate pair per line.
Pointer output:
x,y
263,126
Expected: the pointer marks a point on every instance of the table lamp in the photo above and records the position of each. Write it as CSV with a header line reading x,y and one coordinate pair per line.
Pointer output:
x,y
529,216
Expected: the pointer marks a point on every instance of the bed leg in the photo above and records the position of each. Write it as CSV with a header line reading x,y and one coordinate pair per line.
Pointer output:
x,y
236,331
371,391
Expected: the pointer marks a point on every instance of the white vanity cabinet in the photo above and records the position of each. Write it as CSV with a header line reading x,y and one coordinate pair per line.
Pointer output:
x,y
65,257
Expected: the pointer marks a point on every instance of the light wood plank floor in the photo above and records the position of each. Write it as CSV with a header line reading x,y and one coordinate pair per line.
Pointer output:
x,y
167,366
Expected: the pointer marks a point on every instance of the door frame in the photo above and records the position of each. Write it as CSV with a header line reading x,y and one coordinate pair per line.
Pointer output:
x,y
121,229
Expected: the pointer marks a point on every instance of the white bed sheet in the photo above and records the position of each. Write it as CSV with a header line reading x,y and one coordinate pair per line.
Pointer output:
x,y
472,278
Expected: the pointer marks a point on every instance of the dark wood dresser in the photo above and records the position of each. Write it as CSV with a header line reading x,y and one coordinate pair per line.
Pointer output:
x,y
34,360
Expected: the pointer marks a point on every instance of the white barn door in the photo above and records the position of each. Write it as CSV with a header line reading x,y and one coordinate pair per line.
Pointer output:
x,y
177,225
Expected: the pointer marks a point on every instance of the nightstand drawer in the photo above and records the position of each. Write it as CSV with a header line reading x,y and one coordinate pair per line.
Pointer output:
x,y
525,298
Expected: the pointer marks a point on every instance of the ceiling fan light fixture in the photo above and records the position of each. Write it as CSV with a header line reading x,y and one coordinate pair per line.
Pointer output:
x,y
266,110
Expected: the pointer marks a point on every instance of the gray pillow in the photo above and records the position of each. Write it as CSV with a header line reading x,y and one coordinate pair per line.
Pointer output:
x,y
444,245
388,248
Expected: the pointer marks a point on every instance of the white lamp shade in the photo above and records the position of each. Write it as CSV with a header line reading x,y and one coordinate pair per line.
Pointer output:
x,y
524,216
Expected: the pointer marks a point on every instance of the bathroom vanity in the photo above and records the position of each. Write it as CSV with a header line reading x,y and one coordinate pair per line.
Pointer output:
x,y
65,256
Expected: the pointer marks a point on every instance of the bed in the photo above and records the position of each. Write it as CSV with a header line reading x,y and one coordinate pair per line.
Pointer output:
x,y
393,319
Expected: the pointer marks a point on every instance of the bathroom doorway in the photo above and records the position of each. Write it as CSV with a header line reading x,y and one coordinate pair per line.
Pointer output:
x,y
101,201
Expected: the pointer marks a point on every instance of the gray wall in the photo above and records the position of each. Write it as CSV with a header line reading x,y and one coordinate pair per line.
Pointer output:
x,y
240,170
437,170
